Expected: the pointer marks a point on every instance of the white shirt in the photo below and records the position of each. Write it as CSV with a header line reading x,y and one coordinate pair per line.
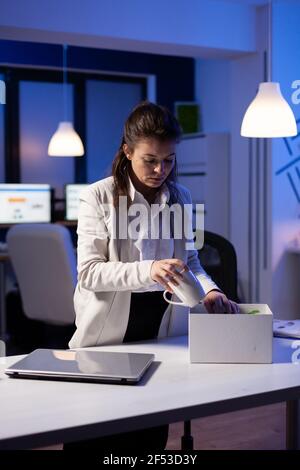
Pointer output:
x,y
105,281
145,248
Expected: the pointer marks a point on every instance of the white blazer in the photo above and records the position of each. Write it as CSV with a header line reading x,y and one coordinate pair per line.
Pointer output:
x,y
102,294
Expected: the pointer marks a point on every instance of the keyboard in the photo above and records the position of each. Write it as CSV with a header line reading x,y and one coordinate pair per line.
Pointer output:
x,y
286,328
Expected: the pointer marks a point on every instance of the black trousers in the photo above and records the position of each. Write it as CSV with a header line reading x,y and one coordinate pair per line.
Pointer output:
x,y
146,312
145,315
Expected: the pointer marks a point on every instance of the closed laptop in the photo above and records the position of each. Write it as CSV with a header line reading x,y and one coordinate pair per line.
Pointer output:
x,y
82,365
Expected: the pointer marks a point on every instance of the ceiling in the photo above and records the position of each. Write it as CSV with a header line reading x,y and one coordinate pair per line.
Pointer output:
x,y
248,2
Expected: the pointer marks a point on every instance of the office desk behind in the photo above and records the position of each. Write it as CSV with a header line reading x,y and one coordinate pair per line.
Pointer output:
x,y
36,413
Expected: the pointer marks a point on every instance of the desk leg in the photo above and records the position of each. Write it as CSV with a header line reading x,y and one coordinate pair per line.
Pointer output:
x,y
2,302
187,441
292,425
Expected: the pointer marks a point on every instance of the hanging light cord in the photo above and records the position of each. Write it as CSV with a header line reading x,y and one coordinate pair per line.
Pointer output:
x,y
270,41
65,94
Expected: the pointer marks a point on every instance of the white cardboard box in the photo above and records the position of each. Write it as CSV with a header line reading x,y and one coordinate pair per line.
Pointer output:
x,y
231,338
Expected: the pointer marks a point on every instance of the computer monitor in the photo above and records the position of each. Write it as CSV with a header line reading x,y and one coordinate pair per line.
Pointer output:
x,y
25,203
72,193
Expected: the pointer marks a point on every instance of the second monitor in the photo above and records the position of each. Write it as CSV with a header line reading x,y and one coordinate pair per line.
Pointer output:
x,y
72,193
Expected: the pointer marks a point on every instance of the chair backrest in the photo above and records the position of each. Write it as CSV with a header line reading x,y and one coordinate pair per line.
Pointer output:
x,y
44,262
218,258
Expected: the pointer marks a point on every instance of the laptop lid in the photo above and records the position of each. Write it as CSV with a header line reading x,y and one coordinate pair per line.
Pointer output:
x,y
83,365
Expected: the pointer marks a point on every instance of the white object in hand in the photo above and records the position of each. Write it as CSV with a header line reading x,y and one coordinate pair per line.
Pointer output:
x,y
189,290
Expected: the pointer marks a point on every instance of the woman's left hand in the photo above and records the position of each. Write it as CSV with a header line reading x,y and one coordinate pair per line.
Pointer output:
x,y
217,302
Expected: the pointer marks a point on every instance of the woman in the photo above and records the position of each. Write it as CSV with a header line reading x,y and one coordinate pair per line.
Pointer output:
x,y
122,272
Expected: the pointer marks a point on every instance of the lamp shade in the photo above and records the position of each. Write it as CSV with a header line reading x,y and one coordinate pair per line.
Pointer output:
x,y
269,115
65,142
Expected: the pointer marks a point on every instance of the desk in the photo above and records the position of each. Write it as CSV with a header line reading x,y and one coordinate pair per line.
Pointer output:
x,y
38,413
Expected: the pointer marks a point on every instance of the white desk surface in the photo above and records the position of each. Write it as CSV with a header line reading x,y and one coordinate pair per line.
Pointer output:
x,y
38,412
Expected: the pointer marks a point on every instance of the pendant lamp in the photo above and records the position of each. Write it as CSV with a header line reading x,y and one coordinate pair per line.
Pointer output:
x,y
65,142
269,114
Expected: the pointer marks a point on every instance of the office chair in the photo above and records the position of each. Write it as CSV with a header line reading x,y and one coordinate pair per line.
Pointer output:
x,y
218,258
44,263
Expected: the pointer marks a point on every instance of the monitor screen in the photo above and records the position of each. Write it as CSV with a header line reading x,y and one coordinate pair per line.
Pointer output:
x,y
72,200
24,203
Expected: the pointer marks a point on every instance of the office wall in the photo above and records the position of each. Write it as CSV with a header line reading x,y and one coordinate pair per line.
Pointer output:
x,y
251,223
224,89
213,92
40,112
2,169
286,182
107,103
174,76
261,234
229,87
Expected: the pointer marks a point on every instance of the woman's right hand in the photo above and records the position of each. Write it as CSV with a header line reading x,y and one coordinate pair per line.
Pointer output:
x,y
166,270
